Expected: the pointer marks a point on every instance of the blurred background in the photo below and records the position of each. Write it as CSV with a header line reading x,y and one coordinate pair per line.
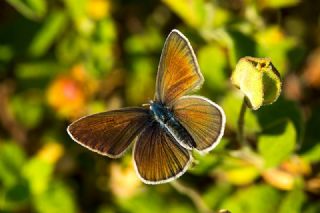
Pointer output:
x,y
62,59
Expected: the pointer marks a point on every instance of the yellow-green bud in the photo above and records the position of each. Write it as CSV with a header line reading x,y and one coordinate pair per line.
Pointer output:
x,y
258,79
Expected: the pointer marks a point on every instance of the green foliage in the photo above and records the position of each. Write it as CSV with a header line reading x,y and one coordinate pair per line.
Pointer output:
x,y
231,104
218,81
57,198
276,148
257,198
33,9
293,201
62,59
53,26
12,160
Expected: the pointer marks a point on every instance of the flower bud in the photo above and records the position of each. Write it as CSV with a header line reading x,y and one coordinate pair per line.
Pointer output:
x,y
258,79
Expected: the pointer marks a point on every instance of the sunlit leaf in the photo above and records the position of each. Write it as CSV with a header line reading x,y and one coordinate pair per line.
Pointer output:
x,y
57,198
98,9
278,3
237,171
38,174
313,155
192,11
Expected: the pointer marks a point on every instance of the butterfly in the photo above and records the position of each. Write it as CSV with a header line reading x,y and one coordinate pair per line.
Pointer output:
x,y
165,130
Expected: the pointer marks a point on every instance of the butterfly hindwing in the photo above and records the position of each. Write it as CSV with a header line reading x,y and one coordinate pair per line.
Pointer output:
x,y
165,132
158,157
178,71
203,119
109,133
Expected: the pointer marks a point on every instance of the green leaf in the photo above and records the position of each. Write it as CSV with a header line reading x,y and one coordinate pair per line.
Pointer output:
x,y
239,45
15,197
281,110
6,53
37,71
279,3
138,202
275,148
312,207
216,193
33,103
253,199
293,201
57,198
145,43
32,9
311,141
137,93
38,174
53,26
273,42
231,104
204,163
12,159
238,171
192,12
213,63
312,155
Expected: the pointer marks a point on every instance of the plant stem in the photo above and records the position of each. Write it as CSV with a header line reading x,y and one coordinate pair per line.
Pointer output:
x,y
193,195
240,133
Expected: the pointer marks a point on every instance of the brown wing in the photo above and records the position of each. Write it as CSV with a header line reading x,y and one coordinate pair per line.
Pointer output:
x,y
178,71
109,133
158,157
203,119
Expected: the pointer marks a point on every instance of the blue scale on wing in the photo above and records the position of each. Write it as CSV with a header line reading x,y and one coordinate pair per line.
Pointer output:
x,y
165,117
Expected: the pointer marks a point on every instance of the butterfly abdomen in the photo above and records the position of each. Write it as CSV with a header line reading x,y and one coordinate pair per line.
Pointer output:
x,y
165,117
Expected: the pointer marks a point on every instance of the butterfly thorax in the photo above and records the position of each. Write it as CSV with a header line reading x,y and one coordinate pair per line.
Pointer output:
x,y
165,117
160,113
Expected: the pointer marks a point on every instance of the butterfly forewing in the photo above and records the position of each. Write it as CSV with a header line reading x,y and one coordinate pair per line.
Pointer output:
x,y
161,152
178,71
203,119
109,133
158,156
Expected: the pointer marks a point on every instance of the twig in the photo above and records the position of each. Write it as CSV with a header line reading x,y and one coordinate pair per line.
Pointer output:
x,y
193,195
240,133
7,119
